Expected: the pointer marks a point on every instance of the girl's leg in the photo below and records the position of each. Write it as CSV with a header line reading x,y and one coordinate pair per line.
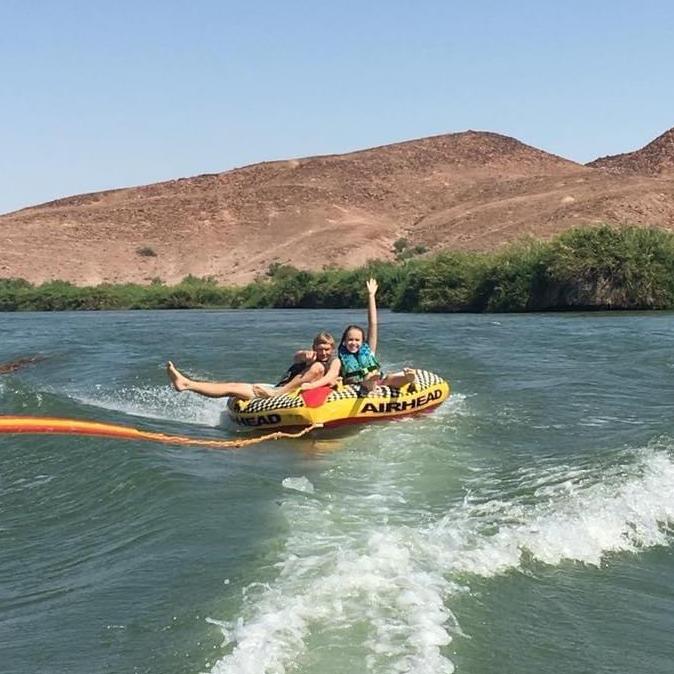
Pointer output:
x,y
399,379
209,389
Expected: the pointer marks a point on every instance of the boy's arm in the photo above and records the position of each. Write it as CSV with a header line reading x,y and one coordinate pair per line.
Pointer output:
x,y
304,356
372,286
328,379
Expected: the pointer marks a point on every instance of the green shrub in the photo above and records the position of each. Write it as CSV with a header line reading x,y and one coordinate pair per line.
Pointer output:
x,y
585,268
146,251
605,267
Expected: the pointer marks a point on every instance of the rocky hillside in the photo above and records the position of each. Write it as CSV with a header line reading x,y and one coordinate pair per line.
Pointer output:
x,y
471,190
654,159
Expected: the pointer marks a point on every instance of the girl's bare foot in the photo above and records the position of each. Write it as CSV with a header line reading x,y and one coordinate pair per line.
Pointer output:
x,y
178,381
371,383
264,392
410,375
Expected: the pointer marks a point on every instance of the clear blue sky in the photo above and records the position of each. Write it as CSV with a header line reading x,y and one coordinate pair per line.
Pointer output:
x,y
100,95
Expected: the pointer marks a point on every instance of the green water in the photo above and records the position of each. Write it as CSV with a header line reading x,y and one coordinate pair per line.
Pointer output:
x,y
524,527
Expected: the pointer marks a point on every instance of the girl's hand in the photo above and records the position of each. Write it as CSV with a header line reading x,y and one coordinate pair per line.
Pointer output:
x,y
372,286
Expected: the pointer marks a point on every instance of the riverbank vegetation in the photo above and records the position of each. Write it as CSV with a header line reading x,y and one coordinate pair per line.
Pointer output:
x,y
584,268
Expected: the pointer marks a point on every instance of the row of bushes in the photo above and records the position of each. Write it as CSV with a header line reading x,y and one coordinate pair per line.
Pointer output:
x,y
584,268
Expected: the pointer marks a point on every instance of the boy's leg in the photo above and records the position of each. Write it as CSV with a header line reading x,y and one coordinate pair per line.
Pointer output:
x,y
208,389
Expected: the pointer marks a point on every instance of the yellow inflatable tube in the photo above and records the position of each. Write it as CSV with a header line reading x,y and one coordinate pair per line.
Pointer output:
x,y
344,405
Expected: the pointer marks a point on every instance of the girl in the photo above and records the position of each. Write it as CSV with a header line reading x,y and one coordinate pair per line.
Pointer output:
x,y
357,352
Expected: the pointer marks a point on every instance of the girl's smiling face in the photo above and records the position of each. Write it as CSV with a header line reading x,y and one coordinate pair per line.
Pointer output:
x,y
353,340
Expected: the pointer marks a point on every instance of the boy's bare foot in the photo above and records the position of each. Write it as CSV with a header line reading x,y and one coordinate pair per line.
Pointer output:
x,y
178,381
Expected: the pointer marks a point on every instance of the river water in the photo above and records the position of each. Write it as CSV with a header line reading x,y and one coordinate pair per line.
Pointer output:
x,y
524,527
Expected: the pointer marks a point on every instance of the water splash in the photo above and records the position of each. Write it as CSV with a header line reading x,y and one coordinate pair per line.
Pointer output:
x,y
346,564
581,519
299,484
156,402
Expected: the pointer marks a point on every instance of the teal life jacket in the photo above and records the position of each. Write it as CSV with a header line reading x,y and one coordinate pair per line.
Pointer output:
x,y
356,366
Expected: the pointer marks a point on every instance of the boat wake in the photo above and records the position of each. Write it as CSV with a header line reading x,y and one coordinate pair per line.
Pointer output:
x,y
367,566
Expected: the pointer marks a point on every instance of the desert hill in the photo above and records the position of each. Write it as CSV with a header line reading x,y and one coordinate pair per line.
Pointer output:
x,y
654,159
470,190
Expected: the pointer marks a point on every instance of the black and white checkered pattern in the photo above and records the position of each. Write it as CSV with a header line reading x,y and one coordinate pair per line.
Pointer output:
x,y
282,402
424,380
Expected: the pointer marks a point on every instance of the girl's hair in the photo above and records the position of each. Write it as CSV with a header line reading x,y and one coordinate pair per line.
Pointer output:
x,y
323,338
352,327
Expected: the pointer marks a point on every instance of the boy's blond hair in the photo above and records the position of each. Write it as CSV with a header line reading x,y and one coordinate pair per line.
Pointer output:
x,y
323,338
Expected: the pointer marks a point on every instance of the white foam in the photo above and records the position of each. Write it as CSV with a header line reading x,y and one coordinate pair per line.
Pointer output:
x,y
355,565
299,484
454,407
578,520
343,566
381,584
158,402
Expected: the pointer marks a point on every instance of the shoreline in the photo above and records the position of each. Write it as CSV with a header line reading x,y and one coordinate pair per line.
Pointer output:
x,y
584,269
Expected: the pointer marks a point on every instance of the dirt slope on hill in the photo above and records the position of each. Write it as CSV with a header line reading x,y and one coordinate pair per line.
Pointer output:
x,y
471,190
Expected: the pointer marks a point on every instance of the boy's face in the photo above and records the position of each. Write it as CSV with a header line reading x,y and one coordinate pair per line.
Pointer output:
x,y
323,350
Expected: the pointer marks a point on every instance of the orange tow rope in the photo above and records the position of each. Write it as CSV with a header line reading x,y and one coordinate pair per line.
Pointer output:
x,y
59,426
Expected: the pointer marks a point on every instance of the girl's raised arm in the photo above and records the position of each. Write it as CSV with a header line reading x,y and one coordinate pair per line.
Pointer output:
x,y
372,286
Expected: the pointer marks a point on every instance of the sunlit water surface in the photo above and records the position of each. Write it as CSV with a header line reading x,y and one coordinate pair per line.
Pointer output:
x,y
524,527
